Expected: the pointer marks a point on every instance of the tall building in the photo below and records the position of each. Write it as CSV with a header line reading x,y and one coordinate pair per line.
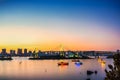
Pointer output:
x,y
30,53
25,51
3,51
19,52
12,52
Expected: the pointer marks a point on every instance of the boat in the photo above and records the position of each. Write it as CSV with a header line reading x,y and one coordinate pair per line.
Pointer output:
x,y
78,63
63,63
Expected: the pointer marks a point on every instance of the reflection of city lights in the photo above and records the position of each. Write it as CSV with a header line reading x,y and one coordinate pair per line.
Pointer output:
x,y
103,65
102,62
63,67
78,64
99,60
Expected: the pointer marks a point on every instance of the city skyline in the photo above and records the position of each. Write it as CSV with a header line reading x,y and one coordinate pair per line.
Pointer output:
x,y
45,24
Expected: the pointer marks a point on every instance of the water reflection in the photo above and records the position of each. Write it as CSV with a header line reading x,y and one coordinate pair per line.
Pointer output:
x,y
49,69
103,65
102,62
63,67
77,64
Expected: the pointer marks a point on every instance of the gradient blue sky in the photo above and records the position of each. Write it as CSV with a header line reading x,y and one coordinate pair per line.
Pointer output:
x,y
77,24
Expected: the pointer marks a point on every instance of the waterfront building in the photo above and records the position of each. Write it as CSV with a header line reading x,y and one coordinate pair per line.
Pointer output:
x,y
19,52
4,53
12,52
25,52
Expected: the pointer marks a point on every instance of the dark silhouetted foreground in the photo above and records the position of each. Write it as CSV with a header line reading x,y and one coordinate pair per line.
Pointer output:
x,y
114,73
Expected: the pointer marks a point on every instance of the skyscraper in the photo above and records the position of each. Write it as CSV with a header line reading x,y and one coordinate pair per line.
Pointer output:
x,y
25,52
3,51
19,52
12,52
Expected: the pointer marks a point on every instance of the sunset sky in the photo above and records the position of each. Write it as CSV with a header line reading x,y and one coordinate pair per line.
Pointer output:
x,y
45,24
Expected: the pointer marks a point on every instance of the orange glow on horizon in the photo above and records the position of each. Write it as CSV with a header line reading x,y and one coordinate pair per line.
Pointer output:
x,y
54,47
46,40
